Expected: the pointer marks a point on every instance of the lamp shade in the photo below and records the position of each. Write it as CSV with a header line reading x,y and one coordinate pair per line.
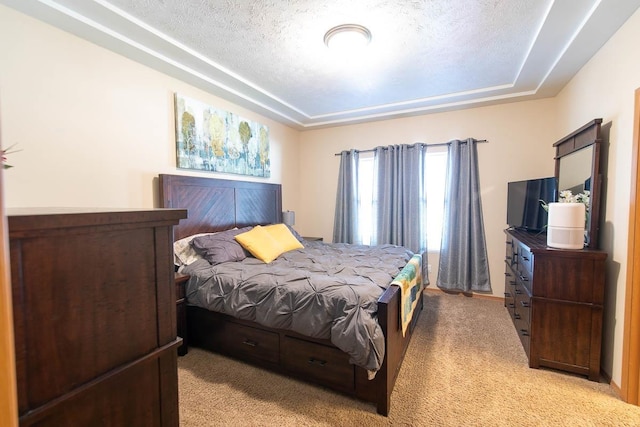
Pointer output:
x,y
289,217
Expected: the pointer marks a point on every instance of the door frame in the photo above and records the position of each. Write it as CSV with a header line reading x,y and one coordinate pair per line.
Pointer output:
x,y
9,402
630,386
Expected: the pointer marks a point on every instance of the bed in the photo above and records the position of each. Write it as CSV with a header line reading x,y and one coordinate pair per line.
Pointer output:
x,y
216,205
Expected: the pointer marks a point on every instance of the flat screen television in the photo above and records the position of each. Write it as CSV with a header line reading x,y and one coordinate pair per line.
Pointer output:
x,y
524,209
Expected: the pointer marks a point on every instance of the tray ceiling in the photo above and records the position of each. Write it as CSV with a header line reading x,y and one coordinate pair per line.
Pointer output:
x,y
425,55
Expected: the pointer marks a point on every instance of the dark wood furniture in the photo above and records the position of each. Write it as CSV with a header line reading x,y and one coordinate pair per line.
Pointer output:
x,y
555,299
181,312
94,316
215,205
578,161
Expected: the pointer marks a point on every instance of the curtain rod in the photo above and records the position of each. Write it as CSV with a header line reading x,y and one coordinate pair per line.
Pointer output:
x,y
418,143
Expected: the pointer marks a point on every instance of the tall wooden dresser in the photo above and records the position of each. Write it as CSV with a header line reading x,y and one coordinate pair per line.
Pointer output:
x,y
555,299
94,316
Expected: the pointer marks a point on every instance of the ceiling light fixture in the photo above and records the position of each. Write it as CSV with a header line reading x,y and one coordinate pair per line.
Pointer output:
x,y
347,37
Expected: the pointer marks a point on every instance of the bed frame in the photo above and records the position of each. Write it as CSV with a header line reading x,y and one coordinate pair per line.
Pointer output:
x,y
218,204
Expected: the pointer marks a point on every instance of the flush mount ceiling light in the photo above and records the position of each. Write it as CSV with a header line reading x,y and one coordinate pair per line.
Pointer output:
x,y
347,37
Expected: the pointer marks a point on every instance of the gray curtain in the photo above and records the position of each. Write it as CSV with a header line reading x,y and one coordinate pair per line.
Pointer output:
x,y
399,197
463,262
345,224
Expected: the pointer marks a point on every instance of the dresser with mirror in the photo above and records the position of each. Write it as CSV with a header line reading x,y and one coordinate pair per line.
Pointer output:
x,y
555,297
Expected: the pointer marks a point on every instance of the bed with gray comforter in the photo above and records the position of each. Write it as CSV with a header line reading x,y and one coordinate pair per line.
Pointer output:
x,y
326,291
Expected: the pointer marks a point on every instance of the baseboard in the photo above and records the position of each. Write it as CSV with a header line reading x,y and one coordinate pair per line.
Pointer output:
x,y
606,379
466,294
616,389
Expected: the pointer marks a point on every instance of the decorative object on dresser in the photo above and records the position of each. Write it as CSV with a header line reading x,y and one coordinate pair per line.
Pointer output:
x,y
216,205
566,225
94,315
555,299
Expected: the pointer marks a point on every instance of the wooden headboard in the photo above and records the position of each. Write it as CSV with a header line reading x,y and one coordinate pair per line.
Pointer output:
x,y
219,204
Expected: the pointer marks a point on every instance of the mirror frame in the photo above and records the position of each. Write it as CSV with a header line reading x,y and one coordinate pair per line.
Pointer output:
x,y
587,135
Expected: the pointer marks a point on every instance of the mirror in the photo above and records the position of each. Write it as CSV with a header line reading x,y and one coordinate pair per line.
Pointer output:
x,y
577,170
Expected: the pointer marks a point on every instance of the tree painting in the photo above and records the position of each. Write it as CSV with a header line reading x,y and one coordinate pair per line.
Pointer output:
x,y
219,141
188,130
216,133
245,136
264,148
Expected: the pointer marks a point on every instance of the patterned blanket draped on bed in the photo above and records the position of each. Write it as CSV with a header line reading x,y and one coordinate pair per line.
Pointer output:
x,y
327,291
410,282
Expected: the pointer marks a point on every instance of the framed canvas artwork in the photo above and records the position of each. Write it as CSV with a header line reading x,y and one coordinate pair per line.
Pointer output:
x,y
210,139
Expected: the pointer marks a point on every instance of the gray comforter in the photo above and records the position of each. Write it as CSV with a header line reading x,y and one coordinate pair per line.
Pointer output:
x,y
327,291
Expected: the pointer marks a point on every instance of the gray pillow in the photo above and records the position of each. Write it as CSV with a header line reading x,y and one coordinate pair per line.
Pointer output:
x,y
220,247
295,233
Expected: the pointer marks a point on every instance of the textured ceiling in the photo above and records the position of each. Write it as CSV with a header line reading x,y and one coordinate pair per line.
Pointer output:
x,y
425,55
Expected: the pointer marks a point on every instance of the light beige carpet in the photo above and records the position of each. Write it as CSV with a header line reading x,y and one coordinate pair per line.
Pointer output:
x,y
465,367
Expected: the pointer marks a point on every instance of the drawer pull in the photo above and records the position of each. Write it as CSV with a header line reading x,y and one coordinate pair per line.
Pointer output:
x,y
507,294
518,292
524,278
507,274
524,332
516,316
525,258
313,361
250,343
511,305
524,304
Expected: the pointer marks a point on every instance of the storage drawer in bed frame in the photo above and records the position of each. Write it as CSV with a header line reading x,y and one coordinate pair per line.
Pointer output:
x,y
249,342
324,364
283,351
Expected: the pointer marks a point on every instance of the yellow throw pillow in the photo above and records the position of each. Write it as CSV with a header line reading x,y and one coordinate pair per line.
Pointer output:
x,y
260,244
283,235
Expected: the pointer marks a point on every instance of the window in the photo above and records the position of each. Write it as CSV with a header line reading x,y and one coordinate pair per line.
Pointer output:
x,y
435,176
365,197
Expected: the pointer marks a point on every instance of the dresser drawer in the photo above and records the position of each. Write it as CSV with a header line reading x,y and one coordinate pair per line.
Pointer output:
x,y
522,305
524,277
525,261
524,331
253,343
509,288
326,365
511,253
525,265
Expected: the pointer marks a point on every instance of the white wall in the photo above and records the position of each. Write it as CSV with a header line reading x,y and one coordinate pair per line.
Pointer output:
x,y
605,88
94,127
520,137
